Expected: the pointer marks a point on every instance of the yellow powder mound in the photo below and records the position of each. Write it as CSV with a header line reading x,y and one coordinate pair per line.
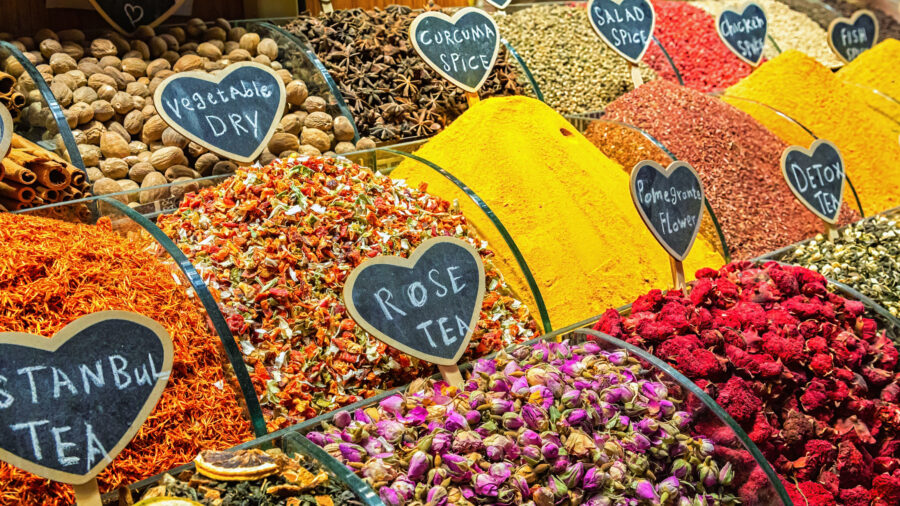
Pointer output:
x,y
876,69
565,204
800,87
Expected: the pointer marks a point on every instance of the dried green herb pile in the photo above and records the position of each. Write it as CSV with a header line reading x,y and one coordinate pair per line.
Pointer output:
x,y
392,93
866,256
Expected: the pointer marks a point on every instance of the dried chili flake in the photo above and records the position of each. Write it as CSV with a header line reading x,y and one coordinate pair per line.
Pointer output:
x,y
52,273
805,373
284,249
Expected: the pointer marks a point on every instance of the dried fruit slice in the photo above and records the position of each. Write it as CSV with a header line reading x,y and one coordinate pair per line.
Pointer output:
x,y
241,465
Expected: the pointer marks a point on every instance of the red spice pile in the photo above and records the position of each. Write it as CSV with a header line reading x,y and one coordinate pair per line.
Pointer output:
x,y
52,273
808,377
689,35
738,160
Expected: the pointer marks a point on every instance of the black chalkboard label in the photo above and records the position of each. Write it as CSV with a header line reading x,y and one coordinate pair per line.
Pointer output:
x,y
670,201
127,16
850,37
626,26
70,404
462,48
744,32
427,305
233,112
816,176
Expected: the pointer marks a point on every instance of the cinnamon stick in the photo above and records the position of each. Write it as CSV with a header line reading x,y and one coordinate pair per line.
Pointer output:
x,y
48,194
12,171
13,205
17,192
7,82
52,175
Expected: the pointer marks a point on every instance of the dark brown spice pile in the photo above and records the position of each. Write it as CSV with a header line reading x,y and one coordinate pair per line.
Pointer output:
x,y
737,158
391,92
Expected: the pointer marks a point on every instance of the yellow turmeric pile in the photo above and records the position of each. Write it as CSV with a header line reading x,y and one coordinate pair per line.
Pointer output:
x,y
802,88
875,73
565,204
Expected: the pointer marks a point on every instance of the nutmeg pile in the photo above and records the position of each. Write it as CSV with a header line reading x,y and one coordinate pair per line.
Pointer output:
x,y
105,87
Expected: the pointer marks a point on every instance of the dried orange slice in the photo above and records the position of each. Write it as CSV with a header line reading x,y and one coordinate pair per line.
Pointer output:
x,y
241,465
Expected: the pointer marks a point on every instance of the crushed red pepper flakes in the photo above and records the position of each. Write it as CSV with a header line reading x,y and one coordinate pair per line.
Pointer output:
x,y
52,273
738,159
275,245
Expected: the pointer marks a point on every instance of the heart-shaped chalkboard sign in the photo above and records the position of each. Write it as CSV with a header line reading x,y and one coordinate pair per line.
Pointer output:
x,y
850,37
670,201
233,112
744,32
126,16
70,404
462,48
816,176
625,25
500,5
427,305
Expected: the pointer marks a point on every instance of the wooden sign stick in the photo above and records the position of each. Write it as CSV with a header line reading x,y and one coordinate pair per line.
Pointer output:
x,y
636,77
677,273
472,98
451,375
88,494
831,231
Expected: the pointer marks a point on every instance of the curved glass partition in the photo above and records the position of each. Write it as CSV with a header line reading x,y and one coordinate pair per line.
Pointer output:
x,y
116,264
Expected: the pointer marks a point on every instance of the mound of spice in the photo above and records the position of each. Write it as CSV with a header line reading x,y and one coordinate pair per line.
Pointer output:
x,y
392,93
52,273
874,70
789,28
809,378
800,87
552,423
866,256
564,203
294,481
575,70
738,161
688,34
277,243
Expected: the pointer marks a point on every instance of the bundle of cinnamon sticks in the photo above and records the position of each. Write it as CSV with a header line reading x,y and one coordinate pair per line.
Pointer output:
x,y
9,96
31,176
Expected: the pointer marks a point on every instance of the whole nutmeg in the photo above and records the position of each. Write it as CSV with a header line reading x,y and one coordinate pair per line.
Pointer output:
x,y
344,147
121,78
110,61
177,171
62,93
122,45
210,51
134,66
166,157
115,126
71,35
177,33
188,62
137,148
282,141
343,129
285,75
78,77
158,46
103,110
150,180
365,143
50,47
139,170
154,126
171,56
122,103
235,34
102,47
90,154
12,66
114,168
106,92
296,92
315,138
157,65
105,186
73,49
230,46
194,150
319,120
307,150
215,33
269,48
137,89
249,41
205,163
172,138
89,67
94,174
262,59
239,55
93,131
183,186
112,145
314,104
212,66
195,28
83,112
291,123
224,167
265,158
172,42
134,122
142,49
97,80
62,63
